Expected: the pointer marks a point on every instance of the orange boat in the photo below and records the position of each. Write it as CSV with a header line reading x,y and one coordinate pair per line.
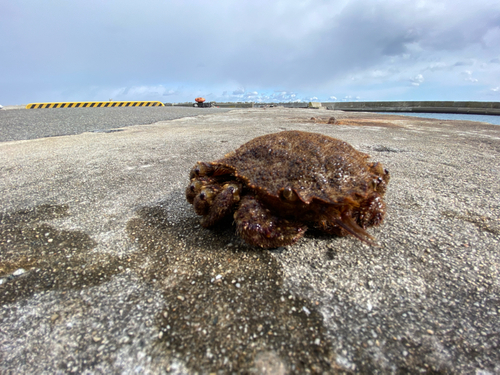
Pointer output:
x,y
200,102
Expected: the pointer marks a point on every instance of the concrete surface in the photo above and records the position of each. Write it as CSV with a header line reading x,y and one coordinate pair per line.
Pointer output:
x,y
37,123
104,268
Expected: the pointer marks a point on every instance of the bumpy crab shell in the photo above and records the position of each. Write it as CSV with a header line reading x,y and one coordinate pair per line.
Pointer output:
x,y
279,184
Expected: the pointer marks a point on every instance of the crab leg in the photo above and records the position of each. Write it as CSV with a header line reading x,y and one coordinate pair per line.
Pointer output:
x,y
222,204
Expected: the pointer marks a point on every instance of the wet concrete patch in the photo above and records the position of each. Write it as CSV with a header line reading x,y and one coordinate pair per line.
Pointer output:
x,y
35,256
225,307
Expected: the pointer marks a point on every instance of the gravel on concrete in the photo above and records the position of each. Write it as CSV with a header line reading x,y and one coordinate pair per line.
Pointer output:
x,y
22,124
104,267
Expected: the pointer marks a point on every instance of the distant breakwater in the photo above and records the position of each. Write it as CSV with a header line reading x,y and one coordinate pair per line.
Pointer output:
x,y
477,108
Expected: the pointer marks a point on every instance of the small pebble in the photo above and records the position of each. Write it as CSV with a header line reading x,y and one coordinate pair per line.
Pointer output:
x,y
19,272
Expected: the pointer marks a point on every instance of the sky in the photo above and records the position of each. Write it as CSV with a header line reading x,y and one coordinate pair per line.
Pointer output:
x,y
259,51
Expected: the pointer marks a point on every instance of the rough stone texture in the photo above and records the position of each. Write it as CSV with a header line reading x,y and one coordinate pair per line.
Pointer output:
x,y
105,269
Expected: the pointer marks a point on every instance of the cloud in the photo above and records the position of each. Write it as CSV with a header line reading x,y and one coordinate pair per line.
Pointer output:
x,y
417,80
283,96
469,77
239,91
251,96
230,49
437,66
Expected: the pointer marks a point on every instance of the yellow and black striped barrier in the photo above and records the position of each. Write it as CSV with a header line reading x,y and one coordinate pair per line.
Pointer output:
x,y
94,104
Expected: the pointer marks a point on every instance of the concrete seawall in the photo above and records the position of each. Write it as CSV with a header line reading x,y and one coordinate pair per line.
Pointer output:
x,y
477,108
216,104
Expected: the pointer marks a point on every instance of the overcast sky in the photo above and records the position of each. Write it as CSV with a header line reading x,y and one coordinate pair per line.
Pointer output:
x,y
229,50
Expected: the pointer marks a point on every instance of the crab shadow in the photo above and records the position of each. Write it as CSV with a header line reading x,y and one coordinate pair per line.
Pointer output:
x,y
225,306
37,257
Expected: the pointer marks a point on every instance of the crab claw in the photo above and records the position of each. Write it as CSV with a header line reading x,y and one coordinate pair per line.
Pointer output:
x,y
193,190
258,227
203,201
222,204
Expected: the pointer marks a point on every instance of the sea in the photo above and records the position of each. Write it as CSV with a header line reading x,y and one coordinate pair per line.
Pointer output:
x,y
494,120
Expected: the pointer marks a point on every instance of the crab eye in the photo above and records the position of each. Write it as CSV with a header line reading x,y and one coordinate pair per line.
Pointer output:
x,y
195,186
206,194
289,194
200,169
233,188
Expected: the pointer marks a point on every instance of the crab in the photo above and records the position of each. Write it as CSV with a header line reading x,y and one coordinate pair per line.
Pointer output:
x,y
278,185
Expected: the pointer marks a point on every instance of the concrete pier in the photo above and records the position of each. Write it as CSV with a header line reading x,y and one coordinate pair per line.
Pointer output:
x,y
476,108
216,104
104,266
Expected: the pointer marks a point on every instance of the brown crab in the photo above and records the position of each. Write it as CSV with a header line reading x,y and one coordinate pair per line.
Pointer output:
x,y
278,184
